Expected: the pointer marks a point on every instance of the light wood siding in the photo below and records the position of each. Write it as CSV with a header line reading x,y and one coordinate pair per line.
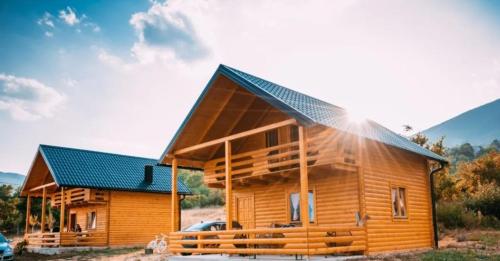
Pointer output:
x,y
336,197
82,212
383,167
135,217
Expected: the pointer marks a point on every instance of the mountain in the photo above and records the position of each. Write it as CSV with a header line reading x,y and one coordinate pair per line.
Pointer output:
x,y
479,126
14,179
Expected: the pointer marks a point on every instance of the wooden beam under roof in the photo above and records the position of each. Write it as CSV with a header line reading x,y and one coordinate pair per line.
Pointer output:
x,y
43,186
216,115
232,125
236,136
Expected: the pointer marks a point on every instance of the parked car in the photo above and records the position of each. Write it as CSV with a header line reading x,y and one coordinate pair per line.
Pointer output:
x,y
6,251
206,226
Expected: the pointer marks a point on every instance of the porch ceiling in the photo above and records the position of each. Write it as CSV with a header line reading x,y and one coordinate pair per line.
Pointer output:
x,y
226,109
38,175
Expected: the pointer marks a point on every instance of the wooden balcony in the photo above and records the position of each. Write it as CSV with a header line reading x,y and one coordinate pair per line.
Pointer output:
x,y
61,239
265,241
79,196
283,158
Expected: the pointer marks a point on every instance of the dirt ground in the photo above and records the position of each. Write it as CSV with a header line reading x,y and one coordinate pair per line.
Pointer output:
x,y
454,245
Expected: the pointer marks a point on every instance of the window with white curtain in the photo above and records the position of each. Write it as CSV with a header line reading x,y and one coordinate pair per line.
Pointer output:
x,y
295,207
92,220
398,199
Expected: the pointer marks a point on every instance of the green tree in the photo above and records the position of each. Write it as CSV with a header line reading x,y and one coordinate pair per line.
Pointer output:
x,y
10,217
203,196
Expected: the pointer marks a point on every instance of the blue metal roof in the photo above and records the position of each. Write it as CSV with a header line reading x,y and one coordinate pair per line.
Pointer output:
x,y
309,110
325,113
92,169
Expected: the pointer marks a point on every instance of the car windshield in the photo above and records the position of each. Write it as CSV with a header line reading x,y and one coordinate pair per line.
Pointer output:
x,y
2,239
197,227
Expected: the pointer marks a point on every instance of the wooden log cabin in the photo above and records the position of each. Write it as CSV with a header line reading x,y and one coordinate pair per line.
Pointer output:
x,y
300,176
103,199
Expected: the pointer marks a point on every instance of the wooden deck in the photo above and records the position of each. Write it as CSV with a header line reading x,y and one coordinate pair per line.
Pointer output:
x,y
62,239
286,241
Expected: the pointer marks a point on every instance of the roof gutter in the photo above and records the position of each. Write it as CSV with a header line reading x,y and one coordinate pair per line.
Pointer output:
x,y
433,203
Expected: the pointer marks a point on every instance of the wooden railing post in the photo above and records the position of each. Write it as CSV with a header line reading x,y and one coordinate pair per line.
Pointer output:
x,y
229,187
304,181
175,197
44,202
61,215
28,213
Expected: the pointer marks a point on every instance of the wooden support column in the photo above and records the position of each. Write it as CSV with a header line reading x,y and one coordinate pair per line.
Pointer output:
x,y
44,202
304,180
229,187
28,213
175,197
63,210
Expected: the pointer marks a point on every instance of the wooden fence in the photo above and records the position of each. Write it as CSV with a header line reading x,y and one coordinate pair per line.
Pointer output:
x,y
292,241
56,239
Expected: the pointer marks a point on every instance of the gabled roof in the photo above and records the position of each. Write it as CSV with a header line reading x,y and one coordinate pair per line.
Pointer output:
x,y
309,110
92,169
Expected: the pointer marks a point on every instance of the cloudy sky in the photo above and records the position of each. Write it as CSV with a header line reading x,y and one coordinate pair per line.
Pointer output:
x,y
120,76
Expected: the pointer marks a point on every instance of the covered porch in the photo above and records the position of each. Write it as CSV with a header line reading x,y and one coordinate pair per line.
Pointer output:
x,y
315,148
65,217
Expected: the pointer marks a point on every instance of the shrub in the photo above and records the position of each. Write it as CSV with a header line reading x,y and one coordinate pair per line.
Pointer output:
x,y
19,249
453,215
486,200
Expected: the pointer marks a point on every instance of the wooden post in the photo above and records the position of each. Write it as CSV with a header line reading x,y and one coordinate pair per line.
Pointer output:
x,y
229,187
44,202
28,213
175,197
63,209
304,180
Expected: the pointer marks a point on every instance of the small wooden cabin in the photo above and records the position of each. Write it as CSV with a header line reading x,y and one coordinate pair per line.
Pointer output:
x,y
103,199
300,176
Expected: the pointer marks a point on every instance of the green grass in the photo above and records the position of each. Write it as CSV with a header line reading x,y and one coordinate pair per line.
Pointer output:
x,y
454,255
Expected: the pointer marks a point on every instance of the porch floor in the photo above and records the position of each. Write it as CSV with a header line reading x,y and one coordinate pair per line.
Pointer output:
x,y
259,257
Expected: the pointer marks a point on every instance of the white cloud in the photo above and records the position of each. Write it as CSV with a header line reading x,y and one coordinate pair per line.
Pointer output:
x,y
46,20
47,23
167,28
69,16
28,99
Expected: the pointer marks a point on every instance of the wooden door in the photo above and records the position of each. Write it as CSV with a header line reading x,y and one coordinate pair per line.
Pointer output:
x,y
245,211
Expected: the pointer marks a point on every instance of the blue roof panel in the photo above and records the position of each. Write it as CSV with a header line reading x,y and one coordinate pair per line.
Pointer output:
x,y
92,169
310,109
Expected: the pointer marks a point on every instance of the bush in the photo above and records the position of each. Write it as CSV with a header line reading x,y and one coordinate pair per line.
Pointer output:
x,y
453,215
490,222
486,200
19,248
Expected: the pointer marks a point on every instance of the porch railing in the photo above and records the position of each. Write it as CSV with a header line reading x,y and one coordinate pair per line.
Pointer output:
x,y
321,150
79,195
292,241
57,239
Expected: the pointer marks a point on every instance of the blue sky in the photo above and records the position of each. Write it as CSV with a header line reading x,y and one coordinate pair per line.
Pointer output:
x,y
120,76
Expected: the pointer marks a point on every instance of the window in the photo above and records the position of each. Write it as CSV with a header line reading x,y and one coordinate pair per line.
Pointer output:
x,y
272,138
91,220
295,207
398,197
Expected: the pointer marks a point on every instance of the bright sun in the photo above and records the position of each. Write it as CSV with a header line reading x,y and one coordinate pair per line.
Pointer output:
x,y
355,116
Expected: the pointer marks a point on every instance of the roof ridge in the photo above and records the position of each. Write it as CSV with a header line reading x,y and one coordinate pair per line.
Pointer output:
x,y
281,86
98,152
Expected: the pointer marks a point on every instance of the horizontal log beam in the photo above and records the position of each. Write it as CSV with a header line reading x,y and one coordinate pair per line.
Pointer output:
x,y
236,136
43,186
